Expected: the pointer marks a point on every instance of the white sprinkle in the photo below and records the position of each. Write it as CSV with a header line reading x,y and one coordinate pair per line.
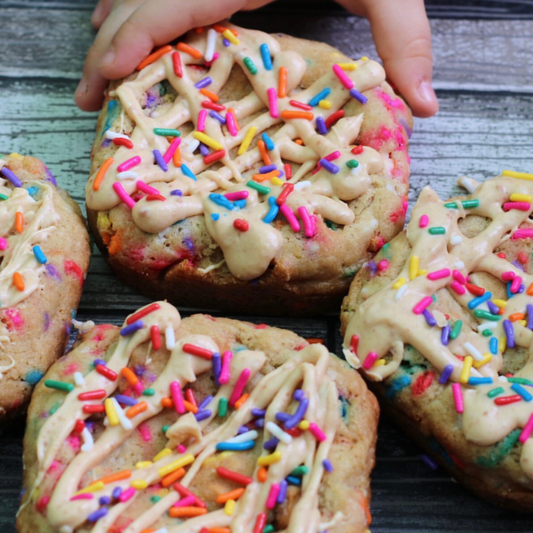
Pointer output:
x,y
301,185
192,145
473,351
468,184
115,135
400,292
503,379
88,441
487,325
243,437
459,265
170,338
456,239
65,529
164,529
78,379
278,433
83,327
125,422
355,170
129,174
210,46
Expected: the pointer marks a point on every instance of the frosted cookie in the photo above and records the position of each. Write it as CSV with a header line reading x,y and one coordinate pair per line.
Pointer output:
x,y
206,424
241,170
44,256
442,324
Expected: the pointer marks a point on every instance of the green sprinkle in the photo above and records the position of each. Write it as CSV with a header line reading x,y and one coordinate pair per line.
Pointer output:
x,y
522,381
494,392
55,407
385,250
59,385
222,407
437,230
331,225
3,197
268,529
451,205
155,499
300,471
454,333
167,132
164,429
486,315
352,163
468,204
486,333
499,451
250,65
148,392
261,189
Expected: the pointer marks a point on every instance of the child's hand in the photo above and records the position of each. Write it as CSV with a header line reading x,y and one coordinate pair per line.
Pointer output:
x,y
130,29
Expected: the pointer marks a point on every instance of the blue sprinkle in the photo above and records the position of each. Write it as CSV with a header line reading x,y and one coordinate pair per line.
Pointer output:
x,y
33,377
221,200
99,362
298,395
32,191
529,310
523,392
430,319
282,417
293,480
203,82
104,500
354,93
176,192
217,116
126,400
258,412
476,302
10,175
398,384
282,494
96,515
188,172
321,125
215,216
206,401
445,335
320,96
508,288
429,462
241,204
259,423
273,211
242,429
480,381
271,444
329,166
265,56
225,42
117,491
202,415
269,143
131,328
160,161
39,255
328,467
446,373
235,446
493,344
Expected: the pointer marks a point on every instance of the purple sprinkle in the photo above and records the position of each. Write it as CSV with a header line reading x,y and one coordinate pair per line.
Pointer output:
x,y
296,418
99,362
521,289
204,150
50,177
445,335
217,366
429,462
282,417
8,174
202,415
104,500
271,444
52,271
132,328
117,491
329,166
259,423
267,168
371,265
106,143
99,513
205,403
354,93
160,161
518,265
188,242
430,319
282,494
176,192
321,125
203,82
242,429
493,308
258,412
150,100
529,310
217,116
126,400
46,321
328,467
298,395
225,42
509,333
446,373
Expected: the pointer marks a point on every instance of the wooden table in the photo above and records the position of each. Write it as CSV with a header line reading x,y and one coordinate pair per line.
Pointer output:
x,y
483,73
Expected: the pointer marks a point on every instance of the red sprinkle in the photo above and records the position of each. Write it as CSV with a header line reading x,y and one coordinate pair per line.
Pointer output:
x,y
211,105
354,343
522,258
475,289
106,372
356,150
288,170
152,197
92,395
120,141
190,397
502,255
287,189
300,105
198,351
294,432
156,337
184,492
79,426
214,156
422,383
42,504
241,224
93,408
333,118
142,313
260,523
505,400
234,476
176,62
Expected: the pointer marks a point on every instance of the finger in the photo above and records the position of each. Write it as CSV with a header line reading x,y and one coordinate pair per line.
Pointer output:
x,y
158,22
101,12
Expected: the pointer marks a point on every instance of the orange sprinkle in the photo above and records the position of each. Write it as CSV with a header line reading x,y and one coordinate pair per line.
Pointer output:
x,y
516,316
176,158
186,512
262,474
219,530
154,56
314,340
530,290
232,111
136,409
240,402
114,244
119,476
129,375
282,82
211,95
19,222
200,29
299,141
231,495
173,477
100,175
190,407
18,281
194,52
263,151
364,505
149,530
221,29
267,176
166,402
288,113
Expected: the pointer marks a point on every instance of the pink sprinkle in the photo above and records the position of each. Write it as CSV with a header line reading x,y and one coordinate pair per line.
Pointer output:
x,y
508,276
3,243
123,195
130,163
145,432
520,206
317,432
405,206
306,220
138,388
185,502
230,123
238,195
515,285
458,397
289,215
333,156
202,115
216,55
83,496
141,186
181,448
224,371
167,156
177,396
369,361
126,495
343,78
439,274
421,306
383,265
526,432
457,287
239,386
272,496
424,221
457,276
522,234
273,102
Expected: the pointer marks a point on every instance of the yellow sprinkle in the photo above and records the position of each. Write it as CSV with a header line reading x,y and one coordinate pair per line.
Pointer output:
x,y
111,413
139,484
228,34
348,66
502,304
14,155
163,453
467,367
247,140
487,358
414,264
522,322
502,344
143,464
208,141
380,362
517,197
324,104
304,425
517,175
162,493
276,181
229,508
95,487
364,58
421,273
174,465
267,460
398,283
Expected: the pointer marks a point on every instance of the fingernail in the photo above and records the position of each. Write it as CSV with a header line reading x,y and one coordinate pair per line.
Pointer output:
x,y
108,58
83,87
426,92
95,17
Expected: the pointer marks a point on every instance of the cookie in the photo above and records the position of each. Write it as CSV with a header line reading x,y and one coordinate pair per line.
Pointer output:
x,y
442,323
241,170
149,428
44,256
